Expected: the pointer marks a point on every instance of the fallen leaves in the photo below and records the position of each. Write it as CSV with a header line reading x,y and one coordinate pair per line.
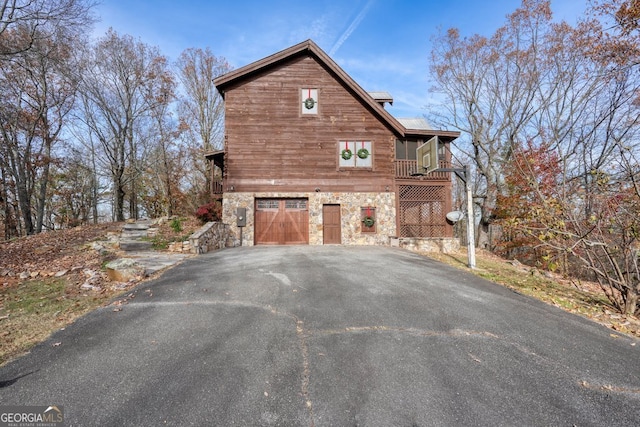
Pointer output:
x,y
53,254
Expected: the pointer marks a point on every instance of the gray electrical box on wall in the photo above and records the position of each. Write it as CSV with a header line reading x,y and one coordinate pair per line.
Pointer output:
x,y
241,214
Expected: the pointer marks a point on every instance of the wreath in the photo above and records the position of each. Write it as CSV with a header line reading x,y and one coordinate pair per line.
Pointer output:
x,y
368,221
309,103
346,154
363,153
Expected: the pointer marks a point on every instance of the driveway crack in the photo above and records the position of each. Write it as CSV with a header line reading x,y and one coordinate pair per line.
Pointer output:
x,y
306,370
409,331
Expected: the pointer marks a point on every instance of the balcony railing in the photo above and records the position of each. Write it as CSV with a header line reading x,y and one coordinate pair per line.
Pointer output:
x,y
406,169
216,188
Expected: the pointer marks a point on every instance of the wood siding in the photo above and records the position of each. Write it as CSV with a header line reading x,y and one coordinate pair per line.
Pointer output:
x,y
272,146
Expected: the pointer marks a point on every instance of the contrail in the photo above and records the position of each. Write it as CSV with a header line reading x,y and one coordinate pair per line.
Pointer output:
x,y
351,28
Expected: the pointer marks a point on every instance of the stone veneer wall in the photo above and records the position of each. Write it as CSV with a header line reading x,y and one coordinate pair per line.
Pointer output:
x,y
211,236
445,245
350,205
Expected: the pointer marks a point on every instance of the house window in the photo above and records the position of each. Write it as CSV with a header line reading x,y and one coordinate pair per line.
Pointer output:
x,y
300,204
309,101
406,150
355,154
265,204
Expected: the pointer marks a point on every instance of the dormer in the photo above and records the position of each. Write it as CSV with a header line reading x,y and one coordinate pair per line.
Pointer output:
x,y
382,97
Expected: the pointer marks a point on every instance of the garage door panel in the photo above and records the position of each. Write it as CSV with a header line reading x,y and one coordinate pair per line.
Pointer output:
x,y
281,222
267,225
296,227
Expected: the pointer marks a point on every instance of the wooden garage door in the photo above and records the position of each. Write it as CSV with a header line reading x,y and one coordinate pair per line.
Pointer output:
x,y
282,222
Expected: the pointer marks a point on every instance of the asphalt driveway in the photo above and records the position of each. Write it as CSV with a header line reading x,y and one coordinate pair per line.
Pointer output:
x,y
329,336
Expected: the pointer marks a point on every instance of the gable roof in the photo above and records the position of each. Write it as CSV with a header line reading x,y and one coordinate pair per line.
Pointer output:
x,y
308,47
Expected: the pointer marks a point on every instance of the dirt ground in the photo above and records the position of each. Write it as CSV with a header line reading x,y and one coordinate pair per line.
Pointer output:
x,y
72,251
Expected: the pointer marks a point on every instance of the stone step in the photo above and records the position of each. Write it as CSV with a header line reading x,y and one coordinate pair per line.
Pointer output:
x,y
133,234
135,245
136,226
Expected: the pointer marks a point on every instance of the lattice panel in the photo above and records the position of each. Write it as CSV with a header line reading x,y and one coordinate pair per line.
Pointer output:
x,y
422,211
423,231
422,192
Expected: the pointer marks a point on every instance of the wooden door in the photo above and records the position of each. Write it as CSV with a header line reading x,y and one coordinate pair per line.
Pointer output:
x,y
331,225
281,222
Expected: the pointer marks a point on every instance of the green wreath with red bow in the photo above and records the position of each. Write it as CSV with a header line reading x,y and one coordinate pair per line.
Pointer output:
x,y
368,221
363,153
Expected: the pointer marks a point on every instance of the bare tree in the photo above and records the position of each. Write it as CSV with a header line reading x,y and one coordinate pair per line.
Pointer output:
x,y
38,94
118,84
569,197
83,154
491,91
39,20
162,193
525,82
71,197
201,111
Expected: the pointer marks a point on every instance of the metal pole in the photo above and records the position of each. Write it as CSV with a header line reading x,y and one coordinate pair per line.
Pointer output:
x,y
471,233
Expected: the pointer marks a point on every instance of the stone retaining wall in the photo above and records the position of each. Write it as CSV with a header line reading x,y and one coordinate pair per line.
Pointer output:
x,y
211,236
180,247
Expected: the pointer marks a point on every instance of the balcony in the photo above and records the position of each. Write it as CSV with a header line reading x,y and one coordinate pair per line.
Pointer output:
x,y
216,189
405,169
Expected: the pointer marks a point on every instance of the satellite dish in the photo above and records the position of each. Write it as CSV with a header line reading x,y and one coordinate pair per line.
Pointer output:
x,y
455,216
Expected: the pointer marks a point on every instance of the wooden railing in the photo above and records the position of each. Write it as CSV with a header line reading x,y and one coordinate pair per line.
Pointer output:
x,y
216,188
406,169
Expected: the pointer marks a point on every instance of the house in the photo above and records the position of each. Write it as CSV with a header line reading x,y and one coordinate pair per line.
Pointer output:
x,y
312,158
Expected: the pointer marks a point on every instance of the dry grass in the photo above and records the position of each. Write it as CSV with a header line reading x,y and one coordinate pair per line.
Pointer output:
x,y
32,309
582,298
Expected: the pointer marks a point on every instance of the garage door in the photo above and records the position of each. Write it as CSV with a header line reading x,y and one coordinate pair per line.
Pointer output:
x,y
282,222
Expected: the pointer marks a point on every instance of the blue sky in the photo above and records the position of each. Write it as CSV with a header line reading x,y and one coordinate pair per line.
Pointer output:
x,y
383,44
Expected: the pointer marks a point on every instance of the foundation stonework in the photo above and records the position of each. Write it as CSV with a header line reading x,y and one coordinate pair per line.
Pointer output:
x,y
350,215
445,245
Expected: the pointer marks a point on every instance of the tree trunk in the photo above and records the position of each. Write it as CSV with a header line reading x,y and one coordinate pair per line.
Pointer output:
x,y
44,180
94,197
118,195
118,205
133,200
25,208
630,302
94,185
10,220
486,213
